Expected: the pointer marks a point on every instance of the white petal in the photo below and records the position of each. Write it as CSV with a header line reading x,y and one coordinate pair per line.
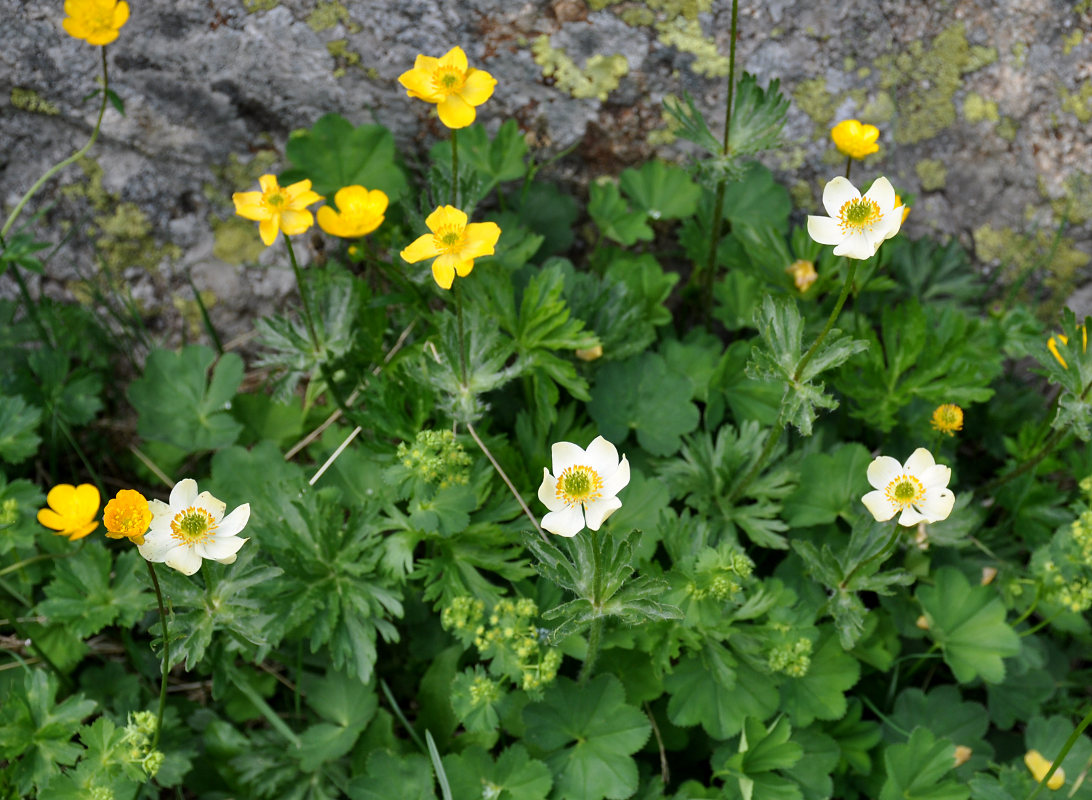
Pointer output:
x,y
220,547
184,493
910,517
856,245
919,461
216,508
892,222
565,455
837,193
937,505
882,471
882,192
602,456
617,481
567,522
596,512
936,476
184,559
547,492
156,545
879,506
824,230
234,522
160,510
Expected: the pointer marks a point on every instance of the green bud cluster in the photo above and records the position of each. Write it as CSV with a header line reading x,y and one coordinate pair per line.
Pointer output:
x,y
101,793
1064,567
792,658
9,512
484,690
720,574
463,616
437,458
137,742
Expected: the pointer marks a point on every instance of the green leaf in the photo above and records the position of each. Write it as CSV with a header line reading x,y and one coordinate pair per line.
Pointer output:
x,y
178,404
83,597
916,770
758,115
820,693
333,154
1048,735
611,213
587,735
944,712
388,776
19,437
762,753
830,486
718,693
968,622
514,775
660,190
646,395
496,160
20,249
856,738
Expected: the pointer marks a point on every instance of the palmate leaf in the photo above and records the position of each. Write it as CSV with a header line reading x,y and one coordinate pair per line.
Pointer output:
x,y
945,713
762,753
716,691
19,439
917,770
820,693
513,776
587,735
333,153
660,190
613,215
830,487
83,597
407,777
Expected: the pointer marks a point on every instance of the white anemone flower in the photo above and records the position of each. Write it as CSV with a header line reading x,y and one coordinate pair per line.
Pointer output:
x,y
585,487
193,527
918,488
857,225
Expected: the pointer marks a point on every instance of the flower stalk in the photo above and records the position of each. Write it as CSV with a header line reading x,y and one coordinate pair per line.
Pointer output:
x,y
596,631
166,655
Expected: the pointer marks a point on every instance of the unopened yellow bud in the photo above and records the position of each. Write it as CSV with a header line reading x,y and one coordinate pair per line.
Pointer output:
x,y
988,574
803,274
922,622
590,353
1039,767
962,754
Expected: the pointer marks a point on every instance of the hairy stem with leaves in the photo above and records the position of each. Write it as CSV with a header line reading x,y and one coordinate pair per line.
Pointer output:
x,y
596,632
166,654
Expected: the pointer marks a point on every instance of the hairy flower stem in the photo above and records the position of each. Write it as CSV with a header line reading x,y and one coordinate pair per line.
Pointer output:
x,y
718,202
1072,740
775,435
454,168
596,632
849,165
462,338
166,655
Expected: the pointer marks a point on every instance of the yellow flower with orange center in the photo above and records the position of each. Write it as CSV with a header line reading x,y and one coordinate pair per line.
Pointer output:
x,y
277,208
803,274
453,243
1052,345
451,84
359,212
96,21
72,510
127,516
947,418
855,139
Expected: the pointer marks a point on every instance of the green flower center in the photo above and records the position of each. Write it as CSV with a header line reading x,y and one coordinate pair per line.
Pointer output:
x,y
192,525
448,80
448,238
579,484
857,215
276,199
905,490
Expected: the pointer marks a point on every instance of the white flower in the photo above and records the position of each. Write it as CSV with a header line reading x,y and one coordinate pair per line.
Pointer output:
x,y
583,493
193,527
918,488
857,225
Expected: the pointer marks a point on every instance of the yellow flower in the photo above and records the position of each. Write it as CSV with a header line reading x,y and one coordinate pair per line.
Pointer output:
x,y
277,208
1052,345
359,212
127,516
1039,766
905,208
948,419
97,21
589,353
803,274
854,139
72,510
448,82
453,243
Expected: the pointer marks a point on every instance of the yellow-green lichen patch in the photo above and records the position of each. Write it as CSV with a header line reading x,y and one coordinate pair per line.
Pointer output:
x,y
1075,205
599,5
344,58
30,100
802,195
260,5
1019,54
190,311
637,16
1078,103
327,14
811,97
685,35
924,81
1045,252
977,108
666,134
236,241
880,110
1007,128
125,239
598,79
1071,41
239,176
932,173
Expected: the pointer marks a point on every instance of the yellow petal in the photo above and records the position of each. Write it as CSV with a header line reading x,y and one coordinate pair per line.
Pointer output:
x,y
61,498
480,239
419,84
268,230
268,183
455,112
426,64
299,195
350,195
51,519
443,273
423,247
478,87
330,222
463,268
295,222
455,57
446,216
249,206
82,531
121,15
86,501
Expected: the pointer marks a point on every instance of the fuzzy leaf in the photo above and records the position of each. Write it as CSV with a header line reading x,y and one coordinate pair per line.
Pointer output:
x,y
83,597
660,190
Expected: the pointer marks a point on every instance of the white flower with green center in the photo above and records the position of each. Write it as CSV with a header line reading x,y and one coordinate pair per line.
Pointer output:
x,y
857,225
193,527
918,489
583,493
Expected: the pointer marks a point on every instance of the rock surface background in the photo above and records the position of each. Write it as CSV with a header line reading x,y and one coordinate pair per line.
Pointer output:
x,y
984,108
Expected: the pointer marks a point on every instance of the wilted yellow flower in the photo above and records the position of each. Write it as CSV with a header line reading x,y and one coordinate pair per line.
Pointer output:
x,y
922,622
962,754
854,139
803,274
947,418
277,208
72,510
127,516
359,212
1052,345
1039,767
451,84
988,574
589,353
96,21
453,243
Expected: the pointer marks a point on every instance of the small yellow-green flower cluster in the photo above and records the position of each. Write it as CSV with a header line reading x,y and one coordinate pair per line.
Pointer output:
x,y
436,457
791,658
484,691
137,742
1064,567
9,512
719,574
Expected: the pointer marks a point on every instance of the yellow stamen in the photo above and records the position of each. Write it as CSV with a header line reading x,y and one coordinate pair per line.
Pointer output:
x,y
448,80
904,491
449,238
947,418
859,215
579,484
192,526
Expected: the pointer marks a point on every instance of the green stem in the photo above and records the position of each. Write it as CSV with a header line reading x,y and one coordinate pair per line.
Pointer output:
x,y
79,450
28,302
830,320
28,561
596,632
166,654
1072,740
49,173
1040,625
462,341
454,168
849,164
506,479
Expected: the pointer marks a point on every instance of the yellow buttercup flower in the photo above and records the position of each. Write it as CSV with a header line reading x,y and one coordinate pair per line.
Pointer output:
x,y
1052,345
359,212
277,208
803,274
453,243
1039,766
854,139
905,208
451,84
72,510
947,418
127,516
97,21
